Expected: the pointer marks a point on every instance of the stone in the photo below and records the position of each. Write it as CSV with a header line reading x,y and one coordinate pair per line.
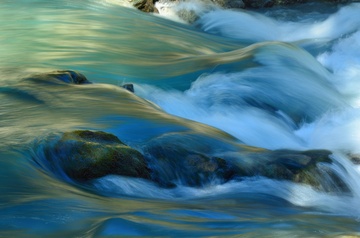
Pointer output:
x,y
85,155
146,5
258,3
129,87
235,4
66,76
310,167
188,160
69,76
174,163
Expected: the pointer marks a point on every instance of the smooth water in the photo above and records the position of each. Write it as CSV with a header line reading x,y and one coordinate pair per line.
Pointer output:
x,y
279,79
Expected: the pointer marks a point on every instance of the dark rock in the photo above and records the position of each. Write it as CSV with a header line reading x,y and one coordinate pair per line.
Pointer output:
x,y
175,163
187,159
309,167
258,3
191,162
85,155
235,4
66,76
146,6
69,76
354,158
129,87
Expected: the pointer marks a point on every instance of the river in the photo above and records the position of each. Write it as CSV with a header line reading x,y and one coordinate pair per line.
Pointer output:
x,y
279,78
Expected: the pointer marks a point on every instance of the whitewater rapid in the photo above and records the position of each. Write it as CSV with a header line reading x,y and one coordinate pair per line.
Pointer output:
x,y
218,98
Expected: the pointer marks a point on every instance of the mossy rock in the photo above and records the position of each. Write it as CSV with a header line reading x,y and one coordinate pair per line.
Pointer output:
x,y
85,155
90,136
310,167
173,162
146,5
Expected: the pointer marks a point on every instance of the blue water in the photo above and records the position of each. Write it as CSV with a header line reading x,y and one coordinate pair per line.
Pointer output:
x,y
228,83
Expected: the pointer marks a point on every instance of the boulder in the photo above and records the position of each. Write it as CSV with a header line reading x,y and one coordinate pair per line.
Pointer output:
x,y
312,167
175,164
83,155
146,5
188,160
194,161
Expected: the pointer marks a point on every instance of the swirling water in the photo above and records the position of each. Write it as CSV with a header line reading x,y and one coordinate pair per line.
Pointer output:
x,y
283,78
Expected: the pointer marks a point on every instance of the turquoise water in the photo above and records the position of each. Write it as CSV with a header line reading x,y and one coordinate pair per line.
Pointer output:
x,y
285,79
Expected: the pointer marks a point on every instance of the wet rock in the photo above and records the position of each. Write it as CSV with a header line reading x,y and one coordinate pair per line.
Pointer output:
x,y
354,158
85,155
177,161
194,162
129,87
188,160
66,76
146,5
235,4
258,3
311,167
69,76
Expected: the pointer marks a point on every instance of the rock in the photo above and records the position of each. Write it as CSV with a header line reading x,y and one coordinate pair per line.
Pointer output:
x,y
188,160
354,158
178,165
129,87
69,76
258,3
66,76
309,167
235,4
146,5
85,155
194,161
229,3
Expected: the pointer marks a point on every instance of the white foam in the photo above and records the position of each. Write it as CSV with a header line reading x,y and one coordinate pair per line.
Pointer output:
x,y
256,107
252,126
240,25
344,61
255,27
297,194
337,130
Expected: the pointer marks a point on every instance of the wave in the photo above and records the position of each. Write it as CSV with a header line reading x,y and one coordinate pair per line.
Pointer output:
x,y
254,27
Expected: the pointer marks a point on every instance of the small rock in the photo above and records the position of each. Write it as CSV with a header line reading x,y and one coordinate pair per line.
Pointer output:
x,y
129,87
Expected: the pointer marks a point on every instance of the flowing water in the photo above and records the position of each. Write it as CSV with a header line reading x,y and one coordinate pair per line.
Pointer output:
x,y
284,78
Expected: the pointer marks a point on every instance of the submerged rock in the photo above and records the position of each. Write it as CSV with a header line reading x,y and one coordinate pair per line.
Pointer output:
x,y
259,3
188,160
69,76
85,155
175,164
312,167
66,76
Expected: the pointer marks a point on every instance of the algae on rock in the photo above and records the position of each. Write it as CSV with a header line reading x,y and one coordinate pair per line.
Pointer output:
x,y
85,155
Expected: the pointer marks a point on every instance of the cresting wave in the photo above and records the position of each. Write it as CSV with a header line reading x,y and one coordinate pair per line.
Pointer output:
x,y
255,27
